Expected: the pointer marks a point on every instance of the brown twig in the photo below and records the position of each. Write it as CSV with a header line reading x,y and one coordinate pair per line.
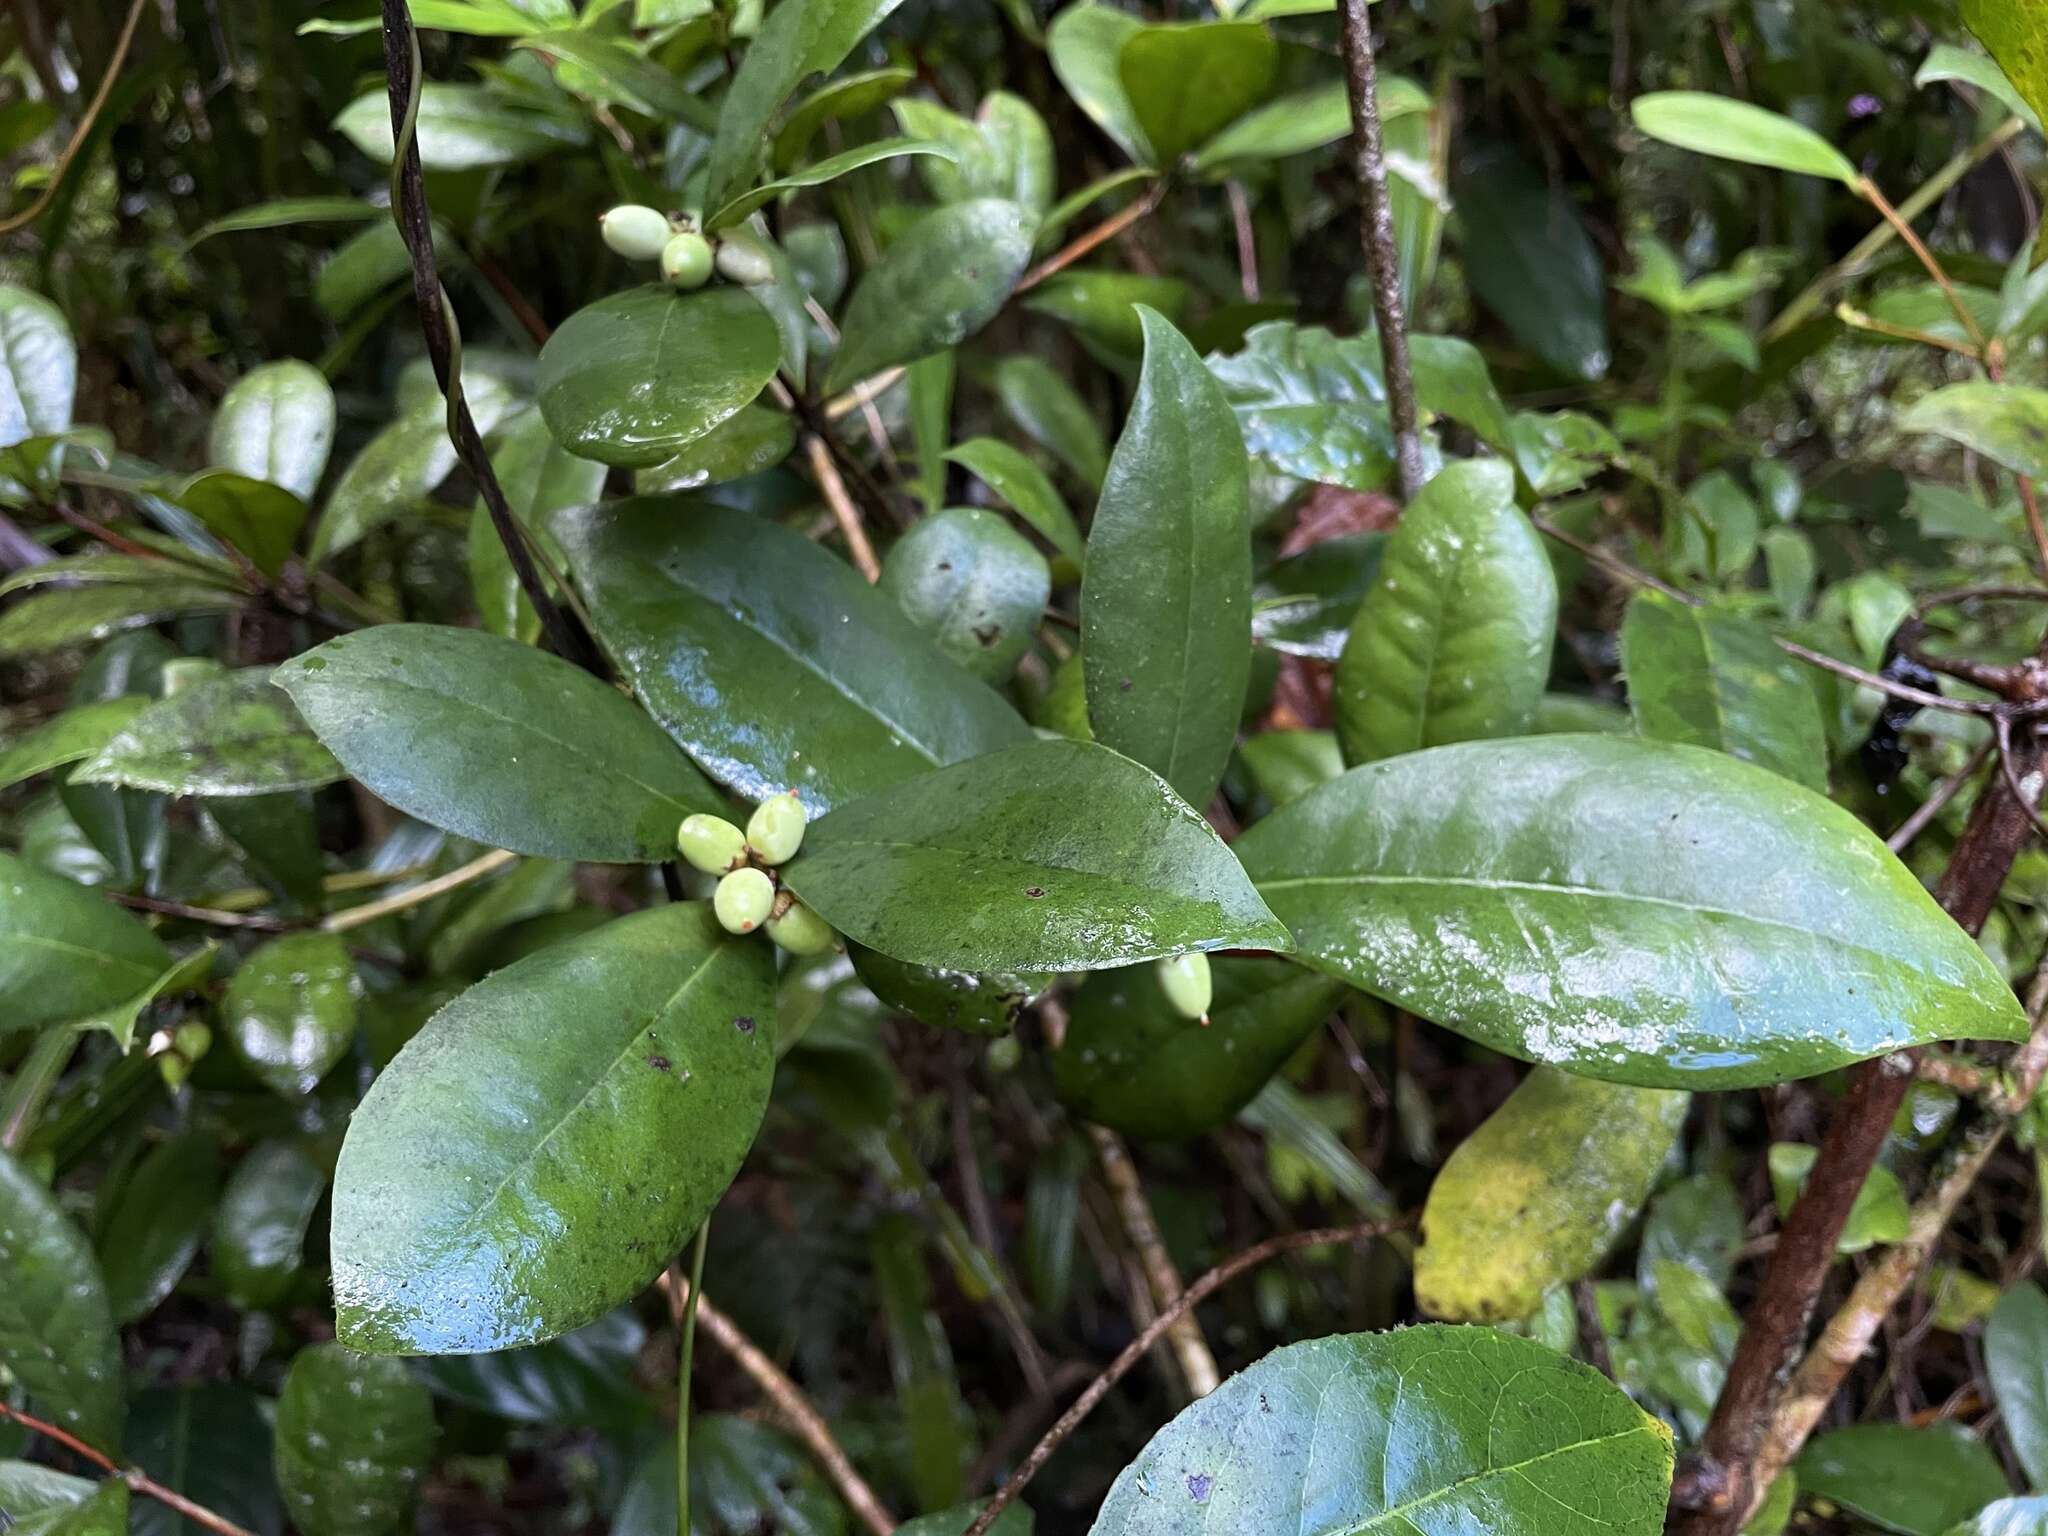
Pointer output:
x,y
844,512
209,915
97,105
1089,239
417,895
1190,1349
1376,235
1133,1352
1247,240
1904,226
137,1480
807,1423
1938,800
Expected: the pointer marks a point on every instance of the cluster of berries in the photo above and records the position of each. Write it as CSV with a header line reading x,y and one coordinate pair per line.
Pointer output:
x,y
177,1051
749,896
687,258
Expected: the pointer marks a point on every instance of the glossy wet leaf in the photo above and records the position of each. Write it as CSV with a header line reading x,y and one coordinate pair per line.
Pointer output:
x,y
939,283
771,661
1046,408
540,1150
57,1333
539,478
64,738
37,1500
1540,1193
1311,405
461,128
984,1003
151,1234
1187,81
2005,422
1303,120
1916,1480
1135,1063
213,1444
849,97
38,366
615,71
498,742
234,735
65,616
1304,604
1739,130
290,1010
259,519
1713,679
636,377
1166,593
65,951
1027,488
755,438
829,169
259,1230
1878,1214
275,424
2007,1517
745,1477
1052,856
1084,44
2016,1360
1428,1428
973,584
1452,643
354,1439
400,466
1717,926
583,1378
1004,150
1530,260
2011,30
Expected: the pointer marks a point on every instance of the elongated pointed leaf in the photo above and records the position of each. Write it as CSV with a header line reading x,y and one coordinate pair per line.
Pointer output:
x,y
65,951
1739,130
2011,29
259,1232
496,741
1084,44
2016,1360
2004,422
66,616
540,1150
1714,926
276,424
1166,606
236,735
1712,679
1027,488
461,128
771,661
1434,1428
1917,1480
78,732
56,1330
41,1501
1452,643
828,169
1053,856
152,1232
354,1437
259,519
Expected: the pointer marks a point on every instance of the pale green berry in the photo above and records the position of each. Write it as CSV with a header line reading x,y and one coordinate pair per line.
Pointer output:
x,y
712,844
192,1040
1185,981
743,900
1004,1054
178,1050
686,261
743,259
801,931
635,231
776,829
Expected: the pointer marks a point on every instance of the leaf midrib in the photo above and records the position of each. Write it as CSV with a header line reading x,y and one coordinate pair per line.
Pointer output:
x,y
1401,1511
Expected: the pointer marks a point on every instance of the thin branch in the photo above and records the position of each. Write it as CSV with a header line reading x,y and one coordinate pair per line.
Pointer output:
x,y
1133,1352
808,1424
97,105
444,340
1938,800
1904,226
1091,238
138,1480
213,916
844,512
417,895
1247,240
1197,1364
1376,234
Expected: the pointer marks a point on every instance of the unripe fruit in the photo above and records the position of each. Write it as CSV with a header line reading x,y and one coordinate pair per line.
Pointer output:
x,y
1185,981
635,231
686,261
776,829
743,900
712,844
743,259
801,931
192,1040
177,1050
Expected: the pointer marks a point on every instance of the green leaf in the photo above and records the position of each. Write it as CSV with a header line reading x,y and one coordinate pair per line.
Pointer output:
x,y
2016,1360
232,735
65,951
1442,1428
1945,61
745,1477
1540,1193
799,38
985,1003
276,424
1015,1520
213,1444
498,742
769,659
1304,604
973,584
1184,82
184,975
2007,1517
755,438
939,283
841,164
2007,423
38,367
68,616
1715,927
1135,1063
539,478
40,1501
1739,130
1166,594
1453,641
1918,1481
1084,44
602,1091
78,732
400,466
1102,307
56,1330
259,519
290,1010
2011,30
634,378
584,1378
1529,260
461,128
282,212
1027,488
1052,856
354,1438
839,100
259,1231
1301,121
622,75
1311,405
1004,150
152,1231
1712,679
1048,411
1879,1213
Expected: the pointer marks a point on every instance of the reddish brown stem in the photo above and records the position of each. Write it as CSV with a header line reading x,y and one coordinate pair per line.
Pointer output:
x,y
137,1480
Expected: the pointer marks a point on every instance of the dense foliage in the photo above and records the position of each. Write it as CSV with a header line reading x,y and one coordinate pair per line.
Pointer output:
x,y
728,726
